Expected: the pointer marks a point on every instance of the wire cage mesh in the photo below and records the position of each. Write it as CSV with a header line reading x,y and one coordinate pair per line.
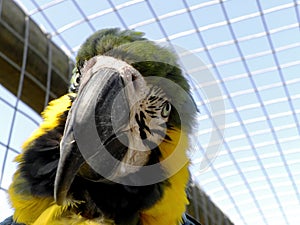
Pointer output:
x,y
250,48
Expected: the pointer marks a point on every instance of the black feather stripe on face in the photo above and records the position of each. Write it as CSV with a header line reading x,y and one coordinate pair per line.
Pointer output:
x,y
142,125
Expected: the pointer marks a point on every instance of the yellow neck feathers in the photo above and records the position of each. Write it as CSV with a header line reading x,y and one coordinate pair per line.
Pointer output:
x,y
33,210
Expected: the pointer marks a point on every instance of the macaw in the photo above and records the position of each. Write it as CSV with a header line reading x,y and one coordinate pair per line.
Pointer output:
x,y
114,149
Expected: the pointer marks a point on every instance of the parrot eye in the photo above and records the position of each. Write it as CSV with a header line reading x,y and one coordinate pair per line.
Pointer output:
x,y
166,109
75,80
77,76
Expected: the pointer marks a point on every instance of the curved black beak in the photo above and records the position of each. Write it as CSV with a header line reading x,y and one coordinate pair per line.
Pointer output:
x,y
89,130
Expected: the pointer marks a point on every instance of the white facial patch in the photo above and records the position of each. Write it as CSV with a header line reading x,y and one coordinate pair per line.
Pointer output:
x,y
148,113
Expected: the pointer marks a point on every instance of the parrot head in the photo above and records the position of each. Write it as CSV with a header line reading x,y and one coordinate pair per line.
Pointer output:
x,y
131,109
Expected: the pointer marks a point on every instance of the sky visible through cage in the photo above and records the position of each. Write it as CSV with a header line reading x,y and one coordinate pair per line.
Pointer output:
x,y
252,50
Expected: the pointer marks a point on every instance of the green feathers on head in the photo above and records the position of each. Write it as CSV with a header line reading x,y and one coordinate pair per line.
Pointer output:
x,y
148,58
104,41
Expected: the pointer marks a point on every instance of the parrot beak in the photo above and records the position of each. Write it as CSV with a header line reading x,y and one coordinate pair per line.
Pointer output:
x,y
94,144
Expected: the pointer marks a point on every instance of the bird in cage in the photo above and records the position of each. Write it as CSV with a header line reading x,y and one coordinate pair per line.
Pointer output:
x,y
114,149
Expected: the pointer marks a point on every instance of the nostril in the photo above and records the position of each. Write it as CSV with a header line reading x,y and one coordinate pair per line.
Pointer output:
x,y
128,75
133,77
